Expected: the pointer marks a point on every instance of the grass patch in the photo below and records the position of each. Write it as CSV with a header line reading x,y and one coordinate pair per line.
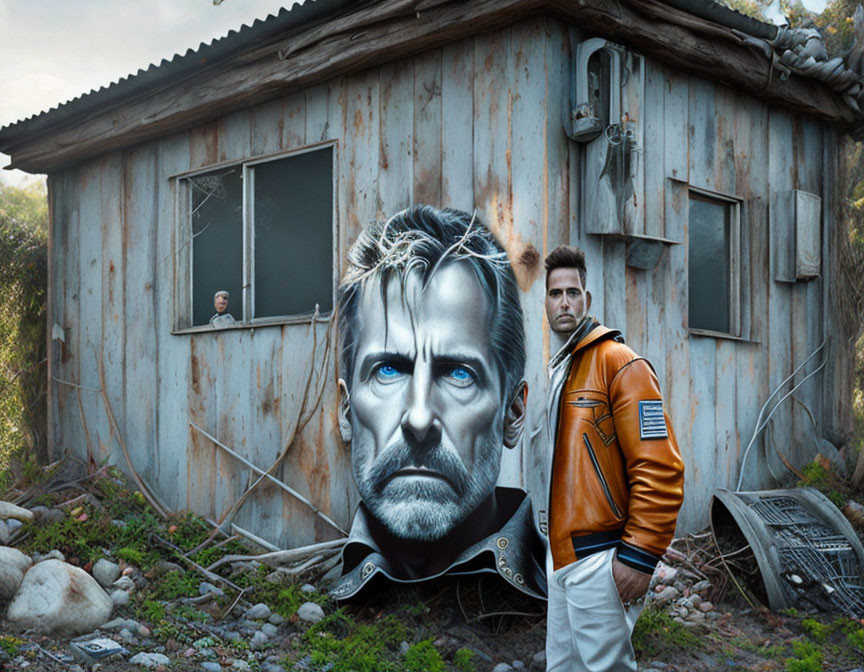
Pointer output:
x,y
463,660
11,645
176,584
284,599
808,658
815,630
656,632
348,646
424,657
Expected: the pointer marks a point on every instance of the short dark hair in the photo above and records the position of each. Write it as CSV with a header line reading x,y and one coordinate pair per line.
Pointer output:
x,y
564,256
424,238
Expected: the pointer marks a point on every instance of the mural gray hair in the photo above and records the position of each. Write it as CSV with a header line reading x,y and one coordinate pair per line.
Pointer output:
x,y
424,238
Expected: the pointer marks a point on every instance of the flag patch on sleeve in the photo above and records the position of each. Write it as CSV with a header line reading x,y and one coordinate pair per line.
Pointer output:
x,y
652,423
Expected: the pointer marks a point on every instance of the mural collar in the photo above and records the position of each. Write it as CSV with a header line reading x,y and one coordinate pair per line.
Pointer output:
x,y
514,551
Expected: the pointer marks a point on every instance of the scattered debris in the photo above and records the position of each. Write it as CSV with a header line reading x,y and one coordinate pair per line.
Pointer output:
x,y
798,549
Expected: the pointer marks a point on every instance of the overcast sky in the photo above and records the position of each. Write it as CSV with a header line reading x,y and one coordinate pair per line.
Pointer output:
x,y
54,50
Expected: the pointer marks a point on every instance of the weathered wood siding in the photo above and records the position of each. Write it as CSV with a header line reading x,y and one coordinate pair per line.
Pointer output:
x,y
476,124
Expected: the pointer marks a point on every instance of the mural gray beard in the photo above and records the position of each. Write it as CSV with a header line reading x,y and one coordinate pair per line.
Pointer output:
x,y
425,509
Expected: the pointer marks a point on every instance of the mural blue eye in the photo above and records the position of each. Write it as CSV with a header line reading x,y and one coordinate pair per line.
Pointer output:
x,y
386,373
460,376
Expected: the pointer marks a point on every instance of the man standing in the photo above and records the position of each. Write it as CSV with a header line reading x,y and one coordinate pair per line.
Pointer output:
x,y
431,360
616,480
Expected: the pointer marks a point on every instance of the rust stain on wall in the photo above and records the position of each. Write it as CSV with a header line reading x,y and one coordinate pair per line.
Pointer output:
x,y
195,368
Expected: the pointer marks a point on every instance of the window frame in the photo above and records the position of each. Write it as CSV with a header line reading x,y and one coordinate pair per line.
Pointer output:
x,y
736,301
183,248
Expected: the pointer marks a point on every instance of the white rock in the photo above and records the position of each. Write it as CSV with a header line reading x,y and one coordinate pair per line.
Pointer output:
x,y
667,594
119,597
13,565
257,612
310,612
307,588
106,572
50,555
8,510
150,659
276,619
58,599
5,532
259,641
269,629
124,583
502,667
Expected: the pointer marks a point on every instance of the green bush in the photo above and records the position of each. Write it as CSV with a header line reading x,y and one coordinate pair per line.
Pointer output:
x,y
463,660
808,658
816,630
424,657
23,285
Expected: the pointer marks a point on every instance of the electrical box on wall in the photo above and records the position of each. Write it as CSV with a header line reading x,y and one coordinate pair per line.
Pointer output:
x,y
796,235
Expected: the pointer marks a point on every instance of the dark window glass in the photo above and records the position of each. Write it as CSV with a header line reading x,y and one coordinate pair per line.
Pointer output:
x,y
293,212
709,268
217,242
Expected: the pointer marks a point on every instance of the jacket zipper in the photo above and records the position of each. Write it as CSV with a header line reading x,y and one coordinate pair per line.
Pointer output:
x,y
603,482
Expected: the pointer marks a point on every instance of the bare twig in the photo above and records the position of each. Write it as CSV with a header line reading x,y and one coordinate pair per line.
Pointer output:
x,y
233,604
210,576
282,557
203,544
142,486
302,568
254,538
505,613
303,417
264,474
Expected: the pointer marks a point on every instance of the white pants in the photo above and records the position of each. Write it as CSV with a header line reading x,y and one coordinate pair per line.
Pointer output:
x,y
588,629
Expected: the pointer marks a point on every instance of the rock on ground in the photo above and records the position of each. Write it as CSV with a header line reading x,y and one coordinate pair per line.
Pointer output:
x,y
310,612
13,565
150,659
257,612
259,641
106,572
56,598
8,510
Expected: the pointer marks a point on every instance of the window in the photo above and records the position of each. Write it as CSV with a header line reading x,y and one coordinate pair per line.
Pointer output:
x,y
261,231
713,266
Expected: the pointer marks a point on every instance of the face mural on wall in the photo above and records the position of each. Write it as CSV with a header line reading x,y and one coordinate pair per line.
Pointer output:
x,y
432,391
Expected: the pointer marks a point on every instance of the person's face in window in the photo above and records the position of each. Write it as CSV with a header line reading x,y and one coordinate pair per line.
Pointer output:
x,y
566,300
426,407
221,303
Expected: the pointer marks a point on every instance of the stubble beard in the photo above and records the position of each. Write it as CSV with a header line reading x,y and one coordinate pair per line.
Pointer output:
x,y
423,509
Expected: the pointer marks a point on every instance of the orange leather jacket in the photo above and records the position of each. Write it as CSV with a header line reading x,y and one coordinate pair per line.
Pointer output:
x,y
617,475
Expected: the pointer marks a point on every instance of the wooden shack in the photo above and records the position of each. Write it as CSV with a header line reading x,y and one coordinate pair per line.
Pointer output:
x,y
665,139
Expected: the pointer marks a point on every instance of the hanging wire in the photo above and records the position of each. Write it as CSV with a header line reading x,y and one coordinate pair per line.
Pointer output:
x,y
760,424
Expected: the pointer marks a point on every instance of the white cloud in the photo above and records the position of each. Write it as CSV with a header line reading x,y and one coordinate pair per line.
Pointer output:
x,y
55,50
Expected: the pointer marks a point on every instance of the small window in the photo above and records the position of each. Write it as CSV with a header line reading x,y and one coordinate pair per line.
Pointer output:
x,y
714,302
262,232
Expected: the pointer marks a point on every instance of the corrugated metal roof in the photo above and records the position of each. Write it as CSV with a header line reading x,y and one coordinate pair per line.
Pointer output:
x,y
180,66
720,12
